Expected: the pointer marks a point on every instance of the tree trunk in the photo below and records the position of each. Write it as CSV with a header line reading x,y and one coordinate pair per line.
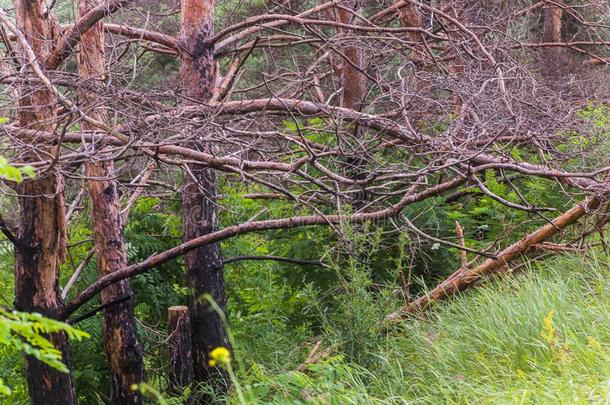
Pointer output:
x,y
37,260
123,349
199,211
354,86
553,58
411,17
180,349
353,80
41,235
552,24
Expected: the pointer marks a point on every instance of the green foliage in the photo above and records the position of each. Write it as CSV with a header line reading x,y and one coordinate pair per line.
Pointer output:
x,y
498,344
10,172
25,333
351,317
151,392
267,298
598,116
155,227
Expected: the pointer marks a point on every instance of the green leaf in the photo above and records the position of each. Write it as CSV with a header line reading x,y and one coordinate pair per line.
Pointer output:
x,y
29,171
4,390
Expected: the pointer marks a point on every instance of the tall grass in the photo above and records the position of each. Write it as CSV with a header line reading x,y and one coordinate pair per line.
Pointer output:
x,y
540,337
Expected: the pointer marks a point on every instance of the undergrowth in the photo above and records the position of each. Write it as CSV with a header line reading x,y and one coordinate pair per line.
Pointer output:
x,y
542,336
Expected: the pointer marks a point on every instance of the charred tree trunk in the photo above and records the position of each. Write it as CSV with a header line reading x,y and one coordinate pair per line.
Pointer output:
x,y
123,349
180,348
199,210
37,260
41,235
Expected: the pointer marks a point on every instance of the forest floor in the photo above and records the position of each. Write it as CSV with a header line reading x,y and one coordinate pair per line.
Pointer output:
x,y
538,337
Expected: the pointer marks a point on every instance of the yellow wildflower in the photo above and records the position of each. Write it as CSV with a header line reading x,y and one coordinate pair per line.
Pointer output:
x,y
594,343
548,333
221,357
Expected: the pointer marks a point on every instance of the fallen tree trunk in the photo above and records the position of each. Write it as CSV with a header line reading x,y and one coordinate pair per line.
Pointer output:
x,y
464,279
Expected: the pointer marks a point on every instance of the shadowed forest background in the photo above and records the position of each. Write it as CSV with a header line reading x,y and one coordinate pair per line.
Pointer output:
x,y
342,202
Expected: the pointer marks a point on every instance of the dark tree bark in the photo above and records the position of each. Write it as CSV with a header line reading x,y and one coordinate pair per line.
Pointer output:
x,y
199,210
41,235
123,349
181,373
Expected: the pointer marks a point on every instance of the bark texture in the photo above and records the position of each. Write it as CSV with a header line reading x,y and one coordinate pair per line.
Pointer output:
x,y
553,58
353,79
199,211
123,349
181,372
41,235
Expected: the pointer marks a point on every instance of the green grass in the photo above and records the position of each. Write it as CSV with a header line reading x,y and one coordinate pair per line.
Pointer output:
x,y
540,337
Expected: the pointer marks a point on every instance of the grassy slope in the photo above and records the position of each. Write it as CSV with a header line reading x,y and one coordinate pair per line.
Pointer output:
x,y
540,337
